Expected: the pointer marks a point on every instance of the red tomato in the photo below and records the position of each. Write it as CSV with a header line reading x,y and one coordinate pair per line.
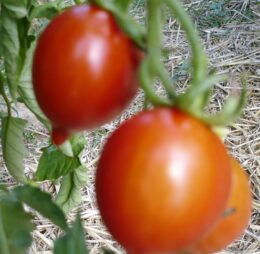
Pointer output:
x,y
84,69
233,225
162,181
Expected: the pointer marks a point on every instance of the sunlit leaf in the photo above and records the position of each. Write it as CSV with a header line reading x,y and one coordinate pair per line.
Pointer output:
x,y
14,150
69,194
42,203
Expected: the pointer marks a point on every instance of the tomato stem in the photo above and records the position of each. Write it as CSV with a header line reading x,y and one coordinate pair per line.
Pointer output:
x,y
199,59
154,28
122,4
146,84
3,93
166,81
155,44
77,2
126,23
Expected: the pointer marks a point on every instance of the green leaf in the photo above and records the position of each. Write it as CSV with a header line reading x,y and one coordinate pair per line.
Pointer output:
x,y
10,45
69,195
48,11
15,39
14,150
78,143
15,227
42,203
18,9
53,164
73,242
25,89
3,191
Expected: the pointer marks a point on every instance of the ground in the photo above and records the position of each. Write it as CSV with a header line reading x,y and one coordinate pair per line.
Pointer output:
x,y
230,34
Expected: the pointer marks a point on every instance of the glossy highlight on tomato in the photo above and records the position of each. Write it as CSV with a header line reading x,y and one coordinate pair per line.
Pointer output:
x,y
84,69
163,180
232,225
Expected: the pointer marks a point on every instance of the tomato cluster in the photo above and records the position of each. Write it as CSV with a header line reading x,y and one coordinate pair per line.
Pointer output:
x,y
165,182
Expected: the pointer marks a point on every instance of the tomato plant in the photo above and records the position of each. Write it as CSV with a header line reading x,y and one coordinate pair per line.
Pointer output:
x,y
164,177
235,222
162,181
84,69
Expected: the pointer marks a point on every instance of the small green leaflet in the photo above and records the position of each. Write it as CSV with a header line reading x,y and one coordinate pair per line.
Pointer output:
x,y
54,163
78,143
48,10
69,194
15,227
42,203
14,150
73,242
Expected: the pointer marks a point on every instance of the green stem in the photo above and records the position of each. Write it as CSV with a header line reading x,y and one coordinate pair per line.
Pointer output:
x,y
8,103
166,82
154,42
154,28
135,31
145,82
204,86
199,59
122,4
77,2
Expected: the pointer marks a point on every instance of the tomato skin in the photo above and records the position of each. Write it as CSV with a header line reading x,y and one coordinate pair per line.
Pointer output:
x,y
59,136
84,69
162,181
233,225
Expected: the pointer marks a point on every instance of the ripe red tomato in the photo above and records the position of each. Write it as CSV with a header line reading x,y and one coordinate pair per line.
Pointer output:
x,y
84,69
233,225
162,181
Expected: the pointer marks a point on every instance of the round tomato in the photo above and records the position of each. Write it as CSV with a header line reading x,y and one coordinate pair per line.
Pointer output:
x,y
84,69
162,181
235,222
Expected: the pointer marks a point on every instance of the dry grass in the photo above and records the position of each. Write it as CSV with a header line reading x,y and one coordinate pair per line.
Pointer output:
x,y
232,48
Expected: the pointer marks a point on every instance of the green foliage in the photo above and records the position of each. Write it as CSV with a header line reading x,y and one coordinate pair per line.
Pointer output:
x,y
25,87
54,163
48,11
73,242
15,225
13,148
41,202
69,195
14,28
17,46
